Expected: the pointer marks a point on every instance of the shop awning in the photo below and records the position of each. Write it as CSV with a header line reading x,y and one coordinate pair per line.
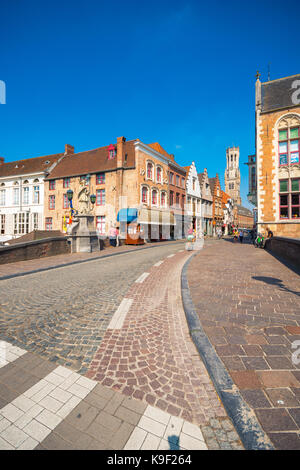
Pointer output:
x,y
127,215
156,217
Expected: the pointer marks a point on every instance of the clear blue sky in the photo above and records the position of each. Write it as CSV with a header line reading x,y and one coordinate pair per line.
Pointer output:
x,y
178,72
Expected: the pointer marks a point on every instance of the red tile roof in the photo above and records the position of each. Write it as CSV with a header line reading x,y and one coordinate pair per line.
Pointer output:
x,y
29,166
92,161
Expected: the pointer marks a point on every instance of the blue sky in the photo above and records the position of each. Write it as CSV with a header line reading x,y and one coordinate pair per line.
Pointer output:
x,y
178,72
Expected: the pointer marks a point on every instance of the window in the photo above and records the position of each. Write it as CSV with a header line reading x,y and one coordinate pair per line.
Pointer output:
x,y
183,201
177,180
26,195
177,199
36,195
100,197
35,217
194,184
158,174
100,222
16,196
171,198
154,197
100,178
171,177
66,183
2,224
289,199
288,146
51,202
149,170
163,199
66,202
52,185
2,197
21,223
144,195
183,183
48,223
111,152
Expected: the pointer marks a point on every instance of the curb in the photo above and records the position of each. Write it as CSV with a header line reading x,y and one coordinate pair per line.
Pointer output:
x,y
243,418
34,271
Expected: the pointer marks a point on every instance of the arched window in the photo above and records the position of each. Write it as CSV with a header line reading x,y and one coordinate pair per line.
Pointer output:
x,y
150,170
144,195
154,197
163,199
158,174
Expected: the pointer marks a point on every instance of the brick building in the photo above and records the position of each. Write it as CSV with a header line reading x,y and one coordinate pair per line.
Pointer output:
x,y
127,174
242,217
277,105
216,191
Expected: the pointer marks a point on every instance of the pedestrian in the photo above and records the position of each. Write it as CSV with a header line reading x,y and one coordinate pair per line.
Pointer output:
x,y
241,235
235,235
112,235
269,233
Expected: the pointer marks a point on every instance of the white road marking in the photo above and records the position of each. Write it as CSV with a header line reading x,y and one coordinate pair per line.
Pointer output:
x,y
120,314
142,278
158,263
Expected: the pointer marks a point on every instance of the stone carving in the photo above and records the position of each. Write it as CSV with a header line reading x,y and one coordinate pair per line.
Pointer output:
x,y
83,200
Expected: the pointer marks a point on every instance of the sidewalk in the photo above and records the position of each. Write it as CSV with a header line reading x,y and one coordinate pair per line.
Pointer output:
x,y
249,307
51,262
146,387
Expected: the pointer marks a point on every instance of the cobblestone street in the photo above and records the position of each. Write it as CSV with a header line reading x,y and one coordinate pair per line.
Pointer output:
x,y
120,323
249,306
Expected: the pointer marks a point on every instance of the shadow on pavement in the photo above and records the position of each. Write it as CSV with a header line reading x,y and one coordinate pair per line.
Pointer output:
x,y
275,282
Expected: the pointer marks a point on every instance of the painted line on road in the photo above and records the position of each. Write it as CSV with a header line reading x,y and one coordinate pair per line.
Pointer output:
x,y
9,353
170,256
142,278
158,263
118,318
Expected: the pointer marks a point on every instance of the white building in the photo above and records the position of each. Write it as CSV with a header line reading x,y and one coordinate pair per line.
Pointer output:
x,y
22,194
193,198
206,203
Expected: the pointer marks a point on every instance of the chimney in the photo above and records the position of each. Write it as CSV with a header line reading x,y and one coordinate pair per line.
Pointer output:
x,y
120,151
69,149
1,160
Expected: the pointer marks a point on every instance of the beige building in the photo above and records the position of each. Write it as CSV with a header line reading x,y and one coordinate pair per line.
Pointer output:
x,y
232,174
277,156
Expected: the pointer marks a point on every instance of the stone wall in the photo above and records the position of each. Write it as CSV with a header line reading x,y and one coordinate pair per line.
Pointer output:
x,y
286,248
34,249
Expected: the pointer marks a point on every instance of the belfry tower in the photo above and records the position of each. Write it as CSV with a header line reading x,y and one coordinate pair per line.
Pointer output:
x,y
232,174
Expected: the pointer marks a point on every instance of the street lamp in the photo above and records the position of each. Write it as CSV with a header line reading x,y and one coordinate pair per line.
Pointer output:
x,y
93,198
70,194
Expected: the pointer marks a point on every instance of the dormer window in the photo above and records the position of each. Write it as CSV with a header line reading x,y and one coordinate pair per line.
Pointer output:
x,y
111,152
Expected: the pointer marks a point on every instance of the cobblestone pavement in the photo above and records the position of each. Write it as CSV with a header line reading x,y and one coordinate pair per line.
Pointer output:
x,y
23,267
120,323
249,306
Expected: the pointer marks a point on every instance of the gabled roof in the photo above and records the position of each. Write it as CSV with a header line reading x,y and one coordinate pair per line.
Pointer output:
x,y
91,161
29,165
156,146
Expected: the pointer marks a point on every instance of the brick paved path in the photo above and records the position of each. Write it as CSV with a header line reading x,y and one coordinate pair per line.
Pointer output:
x,y
130,336
249,306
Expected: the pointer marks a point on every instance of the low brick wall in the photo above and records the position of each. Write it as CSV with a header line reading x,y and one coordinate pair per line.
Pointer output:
x,y
34,249
286,248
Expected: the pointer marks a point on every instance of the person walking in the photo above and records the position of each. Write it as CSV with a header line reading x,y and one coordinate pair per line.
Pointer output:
x,y
112,235
241,235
